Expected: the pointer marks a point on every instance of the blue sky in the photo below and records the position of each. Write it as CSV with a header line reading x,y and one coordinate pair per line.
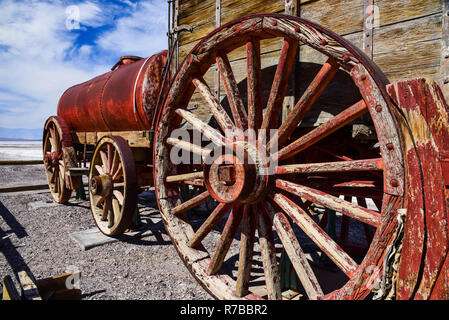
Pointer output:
x,y
48,46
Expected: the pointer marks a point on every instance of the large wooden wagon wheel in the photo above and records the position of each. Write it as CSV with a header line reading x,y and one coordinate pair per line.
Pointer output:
x,y
57,149
112,185
258,189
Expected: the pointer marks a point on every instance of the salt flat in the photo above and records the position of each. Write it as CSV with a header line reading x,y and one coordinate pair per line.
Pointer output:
x,y
20,150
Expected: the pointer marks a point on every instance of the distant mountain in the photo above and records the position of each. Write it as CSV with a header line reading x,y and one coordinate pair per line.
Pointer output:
x,y
20,134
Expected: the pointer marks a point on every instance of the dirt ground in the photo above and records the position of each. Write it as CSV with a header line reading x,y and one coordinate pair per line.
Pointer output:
x,y
34,233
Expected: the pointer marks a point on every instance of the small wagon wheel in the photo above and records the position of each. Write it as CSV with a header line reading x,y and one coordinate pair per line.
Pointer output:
x,y
112,185
57,151
258,190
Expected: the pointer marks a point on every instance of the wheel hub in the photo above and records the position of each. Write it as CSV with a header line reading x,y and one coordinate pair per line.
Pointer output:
x,y
240,177
51,159
101,185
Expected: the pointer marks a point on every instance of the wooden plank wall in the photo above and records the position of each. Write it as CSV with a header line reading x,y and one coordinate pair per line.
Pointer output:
x,y
200,14
407,42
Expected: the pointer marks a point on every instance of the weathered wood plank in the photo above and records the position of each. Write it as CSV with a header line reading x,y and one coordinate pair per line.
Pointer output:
x,y
403,10
426,231
342,17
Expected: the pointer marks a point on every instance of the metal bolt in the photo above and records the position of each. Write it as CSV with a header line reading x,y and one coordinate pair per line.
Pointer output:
x,y
394,183
378,108
390,146
274,23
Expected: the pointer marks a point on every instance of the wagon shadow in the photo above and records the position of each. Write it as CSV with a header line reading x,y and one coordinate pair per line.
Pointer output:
x,y
150,220
13,258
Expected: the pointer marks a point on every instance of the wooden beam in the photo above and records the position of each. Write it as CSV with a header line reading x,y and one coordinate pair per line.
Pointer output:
x,y
136,139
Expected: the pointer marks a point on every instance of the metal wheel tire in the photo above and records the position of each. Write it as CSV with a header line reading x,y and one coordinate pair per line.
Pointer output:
x,y
112,185
57,151
262,201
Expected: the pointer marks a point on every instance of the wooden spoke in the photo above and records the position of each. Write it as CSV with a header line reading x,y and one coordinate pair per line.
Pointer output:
x,y
246,251
280,83
114,213
118,173
214,218
198,183
100,201
232,92
119,196
106,207
53,175
321,239
269,260
350,209
295,253
185,176
57,184
204,128
53,140
313,91
115,162
104,159
343,118
99,169
254,79
338,167
203,152
214,105
225,240
61,174
192,203
109,164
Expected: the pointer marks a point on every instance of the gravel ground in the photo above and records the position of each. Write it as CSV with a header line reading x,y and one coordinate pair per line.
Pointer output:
x,y
34,235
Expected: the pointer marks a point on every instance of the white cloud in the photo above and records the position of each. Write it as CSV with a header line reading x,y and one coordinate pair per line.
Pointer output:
x,y
35,45
142,33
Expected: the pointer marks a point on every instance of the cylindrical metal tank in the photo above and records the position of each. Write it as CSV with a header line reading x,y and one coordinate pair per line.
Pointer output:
x,y
123,99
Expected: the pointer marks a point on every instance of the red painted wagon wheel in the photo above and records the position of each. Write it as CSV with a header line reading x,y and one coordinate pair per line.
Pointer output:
x,y
112,185
57,144
253,186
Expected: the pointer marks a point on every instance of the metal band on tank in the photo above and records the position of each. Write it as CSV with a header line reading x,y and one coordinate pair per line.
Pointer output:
x,y
135,89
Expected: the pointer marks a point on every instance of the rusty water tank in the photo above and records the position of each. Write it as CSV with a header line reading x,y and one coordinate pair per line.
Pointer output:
x,y
123,99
